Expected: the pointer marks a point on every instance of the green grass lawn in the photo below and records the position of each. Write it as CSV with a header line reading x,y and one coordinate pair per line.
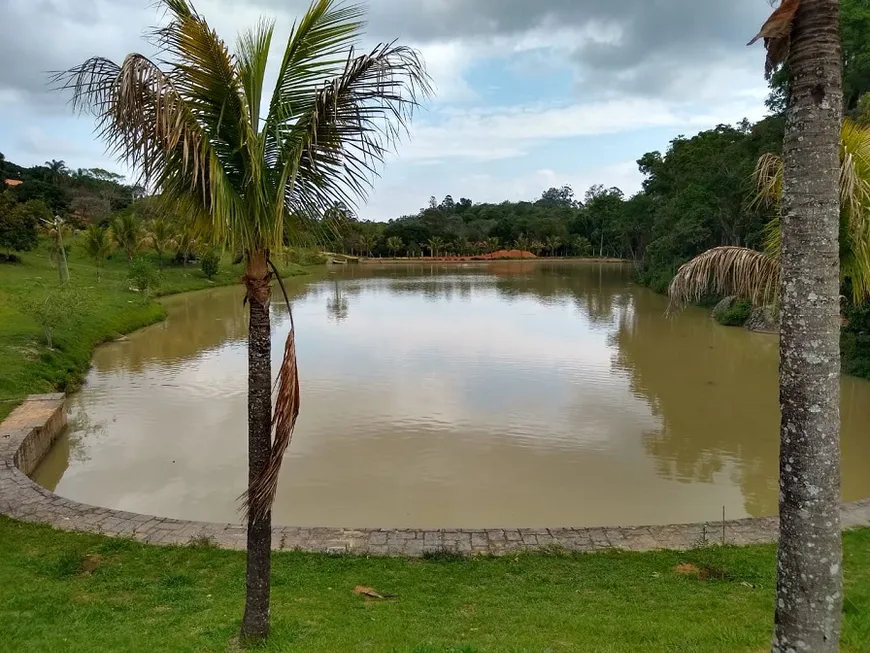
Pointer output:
x,y
71,592
108,310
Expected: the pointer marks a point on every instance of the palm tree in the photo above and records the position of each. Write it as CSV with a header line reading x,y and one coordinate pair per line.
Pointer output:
x,y
160,235
394,244
435,245
755,275
97,245
581,245
552,243
126,234
256,175
56,228
809,596
57,169
491,244
522,243
367,243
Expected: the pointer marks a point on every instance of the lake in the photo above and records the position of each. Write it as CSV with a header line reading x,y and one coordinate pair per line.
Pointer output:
x,y
512,394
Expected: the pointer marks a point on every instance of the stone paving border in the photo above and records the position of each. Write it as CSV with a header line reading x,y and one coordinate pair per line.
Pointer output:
x,y
28,433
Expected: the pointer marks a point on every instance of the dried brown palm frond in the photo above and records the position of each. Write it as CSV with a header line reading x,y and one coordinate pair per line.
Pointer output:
x,y
726,271
258,500
776,33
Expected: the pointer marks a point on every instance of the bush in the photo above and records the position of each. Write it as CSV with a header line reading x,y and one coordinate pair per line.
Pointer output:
x,y
58,308
211,263
18,224
734,314
143,276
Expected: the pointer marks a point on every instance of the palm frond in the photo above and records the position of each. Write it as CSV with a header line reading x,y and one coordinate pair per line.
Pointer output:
x,y
726,271
767,177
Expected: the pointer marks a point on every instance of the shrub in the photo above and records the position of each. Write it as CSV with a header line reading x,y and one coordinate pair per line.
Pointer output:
x,y
210,262
143,276
18,224
735,314
59,308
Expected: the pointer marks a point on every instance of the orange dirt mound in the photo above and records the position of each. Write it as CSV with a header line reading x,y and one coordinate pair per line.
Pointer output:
x,y
508,253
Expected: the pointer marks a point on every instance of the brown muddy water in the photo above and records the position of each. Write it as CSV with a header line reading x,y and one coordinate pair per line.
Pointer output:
x,y
437,396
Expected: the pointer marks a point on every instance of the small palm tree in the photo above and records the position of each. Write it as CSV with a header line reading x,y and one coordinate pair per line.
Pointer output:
x,y
435,245
552,243
367,243
394,244
160,236
491,244
581,245
522,243
126,234
755,275
97,245
255,175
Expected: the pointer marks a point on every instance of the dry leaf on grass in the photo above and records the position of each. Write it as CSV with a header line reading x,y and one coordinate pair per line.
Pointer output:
x,y
361,590
688,569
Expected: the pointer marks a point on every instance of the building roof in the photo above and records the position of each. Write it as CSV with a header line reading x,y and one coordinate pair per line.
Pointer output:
x,y
14,182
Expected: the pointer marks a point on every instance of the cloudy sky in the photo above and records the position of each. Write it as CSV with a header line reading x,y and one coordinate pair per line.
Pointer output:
x,y
530,93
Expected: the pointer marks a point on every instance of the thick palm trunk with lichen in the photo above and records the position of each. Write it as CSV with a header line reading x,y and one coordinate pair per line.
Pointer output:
x,y
255,623
809,586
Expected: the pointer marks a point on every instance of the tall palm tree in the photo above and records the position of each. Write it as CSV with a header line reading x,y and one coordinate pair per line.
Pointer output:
x,y
809,596
552,243
435,245
97,245
394,244
255,174
57,169
367,243
126,234
755,275
160,236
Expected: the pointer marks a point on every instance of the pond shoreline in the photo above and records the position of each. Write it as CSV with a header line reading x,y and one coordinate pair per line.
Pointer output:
x,y
28,433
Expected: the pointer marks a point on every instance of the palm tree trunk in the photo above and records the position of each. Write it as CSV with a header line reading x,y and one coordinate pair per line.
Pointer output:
x,y
255,623
809,584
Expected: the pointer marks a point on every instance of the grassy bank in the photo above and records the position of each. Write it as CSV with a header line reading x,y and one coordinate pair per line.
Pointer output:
x,y
73,592
104,310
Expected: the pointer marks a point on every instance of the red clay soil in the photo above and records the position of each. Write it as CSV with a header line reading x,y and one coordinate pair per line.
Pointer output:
x,y
507,253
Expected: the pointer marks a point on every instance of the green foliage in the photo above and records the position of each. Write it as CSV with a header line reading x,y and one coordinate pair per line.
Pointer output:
x,y
18,224
855,339
144,277
126,234
27,367
168,599
97,245
59,308
210,263
735,314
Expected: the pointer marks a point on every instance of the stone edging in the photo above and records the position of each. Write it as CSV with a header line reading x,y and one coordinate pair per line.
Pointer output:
x,y
28,433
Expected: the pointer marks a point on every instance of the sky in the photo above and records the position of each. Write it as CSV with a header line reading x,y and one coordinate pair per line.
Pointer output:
x,y
529,94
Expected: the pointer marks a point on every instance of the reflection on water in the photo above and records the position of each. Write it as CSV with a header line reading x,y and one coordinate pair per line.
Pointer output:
x,y
480,395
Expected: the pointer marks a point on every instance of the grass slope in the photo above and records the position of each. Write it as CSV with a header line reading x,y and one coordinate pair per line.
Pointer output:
x,y
75,593
111,309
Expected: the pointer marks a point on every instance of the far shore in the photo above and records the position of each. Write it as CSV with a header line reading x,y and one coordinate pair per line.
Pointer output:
x,y
477,259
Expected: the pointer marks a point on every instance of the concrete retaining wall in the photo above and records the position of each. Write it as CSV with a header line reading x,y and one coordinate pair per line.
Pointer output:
x,y
28,433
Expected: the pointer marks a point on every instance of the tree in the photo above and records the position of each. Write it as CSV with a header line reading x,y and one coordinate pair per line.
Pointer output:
x,y
90,208
256,176
522,243
435,245
18,225
56,228
552,243
809,557
754,275
394,244
367,243
57,169
127,234
97,244
491,244
160,235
